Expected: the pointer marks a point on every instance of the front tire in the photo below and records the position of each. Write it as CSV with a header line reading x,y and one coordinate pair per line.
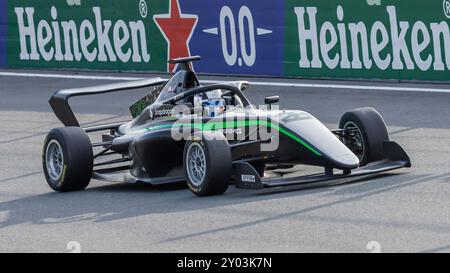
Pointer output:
x,y
369,132
67,159
207,163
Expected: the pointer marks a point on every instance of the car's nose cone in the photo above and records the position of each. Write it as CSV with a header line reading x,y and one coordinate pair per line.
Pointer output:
x,y
323,140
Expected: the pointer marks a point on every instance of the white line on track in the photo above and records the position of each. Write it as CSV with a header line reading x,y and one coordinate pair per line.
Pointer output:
x,y
257,83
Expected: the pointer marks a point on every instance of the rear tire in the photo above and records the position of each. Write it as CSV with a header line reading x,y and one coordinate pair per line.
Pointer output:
x,y
370,130
207,163
67,159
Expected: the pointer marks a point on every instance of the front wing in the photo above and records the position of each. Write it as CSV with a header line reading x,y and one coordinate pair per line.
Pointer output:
x,y
395,157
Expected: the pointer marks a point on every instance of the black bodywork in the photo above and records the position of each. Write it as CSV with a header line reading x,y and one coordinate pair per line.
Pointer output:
x,y
144,149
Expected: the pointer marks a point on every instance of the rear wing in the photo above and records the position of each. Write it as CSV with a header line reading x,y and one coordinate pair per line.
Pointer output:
x,y
60,99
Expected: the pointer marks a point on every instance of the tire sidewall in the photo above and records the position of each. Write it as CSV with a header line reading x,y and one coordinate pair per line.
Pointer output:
x,y
218,164
197,189
55,135
78,159
366,143
373,131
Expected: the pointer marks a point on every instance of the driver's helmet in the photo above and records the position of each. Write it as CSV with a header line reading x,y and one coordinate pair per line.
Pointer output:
x,y
212,103
213,107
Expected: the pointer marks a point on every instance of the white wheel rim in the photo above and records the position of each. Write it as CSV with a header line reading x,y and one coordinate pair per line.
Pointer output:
x,y
54,160
359,147
196,163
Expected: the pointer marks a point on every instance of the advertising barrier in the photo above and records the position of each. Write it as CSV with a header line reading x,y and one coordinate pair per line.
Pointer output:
x,y
395,39
372,39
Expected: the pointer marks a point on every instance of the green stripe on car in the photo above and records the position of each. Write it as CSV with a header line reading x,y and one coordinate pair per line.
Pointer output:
x,y
211,126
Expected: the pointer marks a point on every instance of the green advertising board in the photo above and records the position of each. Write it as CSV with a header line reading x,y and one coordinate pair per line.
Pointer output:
x,y
101,34
388,39
348,39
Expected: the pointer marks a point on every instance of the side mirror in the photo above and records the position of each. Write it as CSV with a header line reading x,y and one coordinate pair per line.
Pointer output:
x,y
271,100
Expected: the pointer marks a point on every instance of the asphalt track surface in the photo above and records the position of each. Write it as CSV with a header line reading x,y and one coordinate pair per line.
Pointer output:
x,y
406,210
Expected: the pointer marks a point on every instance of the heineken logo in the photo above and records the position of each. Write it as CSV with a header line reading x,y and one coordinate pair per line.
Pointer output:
x,y
393,44
100,39
177,28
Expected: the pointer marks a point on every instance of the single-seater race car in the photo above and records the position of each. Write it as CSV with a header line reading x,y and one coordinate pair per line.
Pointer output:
x,y
211,136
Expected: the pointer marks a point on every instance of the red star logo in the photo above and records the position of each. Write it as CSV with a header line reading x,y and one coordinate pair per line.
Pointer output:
x,y
177,29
